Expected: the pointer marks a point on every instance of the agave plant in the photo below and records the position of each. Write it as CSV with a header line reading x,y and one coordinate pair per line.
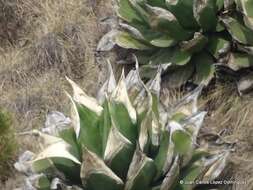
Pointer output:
x,y
191,36
128,138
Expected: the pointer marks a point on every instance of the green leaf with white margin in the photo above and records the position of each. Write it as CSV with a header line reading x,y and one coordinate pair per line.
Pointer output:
x,y
205,14
105,124
90,136
127,12
183,11
196,44
161,56
180,57
43,183
141,172
142,103
238,31
86,125
156,3
144,110
118,153
246,7
122,112
204,68
169,56
238,61
181,138
248,22
103,94
192,125
165,155
134,84
125,40
219,162
44,139
189,174
86,115
57,157
143,139
83,99
154,87
61,149
135,32
187,106
109,85
69,136
171,176
148,36
164,21
218,46
194,170
163,41
96,175
139,5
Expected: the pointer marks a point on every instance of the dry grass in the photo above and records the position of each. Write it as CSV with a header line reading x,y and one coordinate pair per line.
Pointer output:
x,y
235,114
42,41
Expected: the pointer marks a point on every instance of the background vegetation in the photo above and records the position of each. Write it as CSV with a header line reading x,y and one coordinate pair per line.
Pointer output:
x,y
8,144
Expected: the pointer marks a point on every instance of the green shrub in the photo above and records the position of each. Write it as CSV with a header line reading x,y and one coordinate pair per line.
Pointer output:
x,y
7,143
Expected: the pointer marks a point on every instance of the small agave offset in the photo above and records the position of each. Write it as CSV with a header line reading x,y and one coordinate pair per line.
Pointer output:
x,y
127,139
191,35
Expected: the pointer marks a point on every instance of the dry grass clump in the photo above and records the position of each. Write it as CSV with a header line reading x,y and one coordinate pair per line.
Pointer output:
x,y
10,22
233,113
61,42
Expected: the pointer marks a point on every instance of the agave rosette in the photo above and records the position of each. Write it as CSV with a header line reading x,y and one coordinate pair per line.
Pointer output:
x,y
190,35
126,138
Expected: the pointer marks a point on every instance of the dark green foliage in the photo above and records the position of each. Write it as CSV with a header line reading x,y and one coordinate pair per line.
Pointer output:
x,y
7,143
193,33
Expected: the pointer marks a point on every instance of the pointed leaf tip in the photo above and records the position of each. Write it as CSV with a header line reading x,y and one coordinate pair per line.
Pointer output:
x,y
82,98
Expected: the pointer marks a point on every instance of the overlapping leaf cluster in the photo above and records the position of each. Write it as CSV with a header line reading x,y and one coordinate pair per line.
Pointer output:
x,y
128,139
189,35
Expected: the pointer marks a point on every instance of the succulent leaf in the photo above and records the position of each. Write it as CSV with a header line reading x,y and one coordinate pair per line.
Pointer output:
x,y
128,41
96,175
205,14
164,21
141,172
128,12
240,60
238,31
204,68
183,11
